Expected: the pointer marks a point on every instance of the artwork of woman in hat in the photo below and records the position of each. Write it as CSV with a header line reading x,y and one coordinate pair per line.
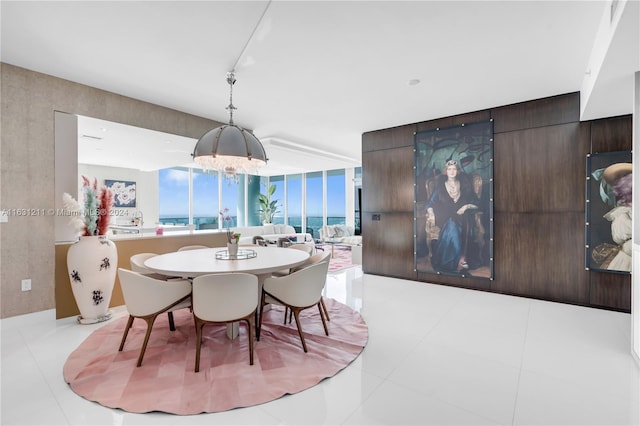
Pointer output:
x,y
450,223
616,190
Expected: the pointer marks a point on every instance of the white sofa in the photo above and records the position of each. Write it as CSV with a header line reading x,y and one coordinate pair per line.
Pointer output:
x,y
340,233
271,233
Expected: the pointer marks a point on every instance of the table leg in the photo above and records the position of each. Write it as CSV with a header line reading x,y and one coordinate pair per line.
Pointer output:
x,y
233,328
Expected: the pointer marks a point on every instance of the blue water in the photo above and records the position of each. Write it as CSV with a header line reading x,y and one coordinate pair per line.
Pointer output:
x,y
314,223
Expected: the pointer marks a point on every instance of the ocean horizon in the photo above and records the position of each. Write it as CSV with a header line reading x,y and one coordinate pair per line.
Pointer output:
x,y
314,223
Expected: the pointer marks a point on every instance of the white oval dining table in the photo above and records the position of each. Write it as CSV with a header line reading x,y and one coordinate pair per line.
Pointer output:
x,y
193,263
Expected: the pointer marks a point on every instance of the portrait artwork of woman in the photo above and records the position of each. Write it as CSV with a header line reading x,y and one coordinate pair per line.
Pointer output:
x,y
453,226
616,255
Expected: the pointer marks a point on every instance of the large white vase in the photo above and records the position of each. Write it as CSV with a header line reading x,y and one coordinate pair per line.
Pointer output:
x,y
92,263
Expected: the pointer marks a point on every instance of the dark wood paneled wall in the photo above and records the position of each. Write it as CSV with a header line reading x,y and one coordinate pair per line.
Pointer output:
x,y
540,150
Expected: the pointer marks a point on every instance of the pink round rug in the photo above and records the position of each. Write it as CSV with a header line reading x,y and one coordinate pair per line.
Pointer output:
x,y
166,381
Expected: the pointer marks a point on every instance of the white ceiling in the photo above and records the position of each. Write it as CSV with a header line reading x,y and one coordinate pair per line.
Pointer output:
x,y
313,74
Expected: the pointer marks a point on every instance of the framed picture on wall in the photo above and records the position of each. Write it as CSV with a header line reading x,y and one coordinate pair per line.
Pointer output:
x,y
454,200
608,212
124,192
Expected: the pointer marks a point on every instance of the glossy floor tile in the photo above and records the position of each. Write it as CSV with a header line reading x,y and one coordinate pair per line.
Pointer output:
x,y
436,355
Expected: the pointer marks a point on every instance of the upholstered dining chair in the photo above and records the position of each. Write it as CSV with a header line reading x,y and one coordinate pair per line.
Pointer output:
x,y
316,258
309,248
302,247
137,265
297,291
146,298
312,260
224,298
194,247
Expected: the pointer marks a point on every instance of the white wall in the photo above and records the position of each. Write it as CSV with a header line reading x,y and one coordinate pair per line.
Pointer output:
x,y
146,191
66,152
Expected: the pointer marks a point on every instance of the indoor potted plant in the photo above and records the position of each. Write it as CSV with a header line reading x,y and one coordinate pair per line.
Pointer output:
x,y
233,238
267,208
92,261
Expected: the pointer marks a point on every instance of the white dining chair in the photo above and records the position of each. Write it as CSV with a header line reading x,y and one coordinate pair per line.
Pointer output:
x,y
297,291
137,265
312,260
146,298
309,249
194,247
316,258
222,299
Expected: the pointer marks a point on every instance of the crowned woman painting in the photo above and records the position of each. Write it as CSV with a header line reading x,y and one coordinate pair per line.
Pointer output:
x,y
451,221
453,207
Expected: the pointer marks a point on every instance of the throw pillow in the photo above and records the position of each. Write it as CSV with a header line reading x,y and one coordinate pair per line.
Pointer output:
x,y
268,229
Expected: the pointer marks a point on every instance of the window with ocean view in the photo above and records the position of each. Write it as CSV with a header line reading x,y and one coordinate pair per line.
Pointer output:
x,y
314,202
205,199
230,200
336,199
294,200
278,181
173,196
305,201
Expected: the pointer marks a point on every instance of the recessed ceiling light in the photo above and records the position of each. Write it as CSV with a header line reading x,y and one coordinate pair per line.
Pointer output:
x,y
414,81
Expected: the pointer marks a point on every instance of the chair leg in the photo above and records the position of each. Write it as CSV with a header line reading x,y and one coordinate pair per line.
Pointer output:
x,y
150,322
296,315
324,324
324,308
199,326
259,327
255,320
250,336
172,325
126,332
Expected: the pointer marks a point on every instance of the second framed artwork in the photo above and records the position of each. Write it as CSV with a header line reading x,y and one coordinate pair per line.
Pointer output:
x,y
608,212
124,192
454,200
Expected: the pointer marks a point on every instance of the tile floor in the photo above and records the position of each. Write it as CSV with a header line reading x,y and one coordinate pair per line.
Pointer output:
x,y
436,356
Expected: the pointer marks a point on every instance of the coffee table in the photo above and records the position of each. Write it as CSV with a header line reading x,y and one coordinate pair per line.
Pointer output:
x,y
334,243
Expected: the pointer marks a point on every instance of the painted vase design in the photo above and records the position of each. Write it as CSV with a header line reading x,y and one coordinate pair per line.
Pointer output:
x,y
92,264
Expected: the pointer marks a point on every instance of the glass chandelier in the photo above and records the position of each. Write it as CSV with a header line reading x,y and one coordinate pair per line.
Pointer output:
x,y
230,148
